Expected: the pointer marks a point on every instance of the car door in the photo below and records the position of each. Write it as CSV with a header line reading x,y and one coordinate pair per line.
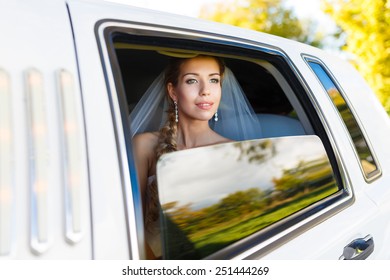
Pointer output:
x,y
119,49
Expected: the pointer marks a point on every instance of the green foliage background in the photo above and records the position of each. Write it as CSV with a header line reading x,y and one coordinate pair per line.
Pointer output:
x,y
269,16
364,23
367,26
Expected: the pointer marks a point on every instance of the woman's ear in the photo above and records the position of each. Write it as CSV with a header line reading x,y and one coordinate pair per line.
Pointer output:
x,y
171,91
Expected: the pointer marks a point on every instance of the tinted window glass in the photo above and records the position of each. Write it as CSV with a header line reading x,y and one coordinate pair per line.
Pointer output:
x,y
367,160
214,196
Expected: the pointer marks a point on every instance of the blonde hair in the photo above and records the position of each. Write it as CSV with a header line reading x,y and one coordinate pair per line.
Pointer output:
x,y
166,144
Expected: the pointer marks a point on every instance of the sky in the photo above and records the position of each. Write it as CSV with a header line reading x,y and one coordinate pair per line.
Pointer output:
x,y
303,8
190,176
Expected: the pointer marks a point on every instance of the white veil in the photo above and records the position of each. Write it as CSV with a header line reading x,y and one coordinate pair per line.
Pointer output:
x,y
236,118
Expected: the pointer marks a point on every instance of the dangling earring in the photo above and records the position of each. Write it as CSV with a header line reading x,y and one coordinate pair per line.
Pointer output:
x,y
216,116
176,112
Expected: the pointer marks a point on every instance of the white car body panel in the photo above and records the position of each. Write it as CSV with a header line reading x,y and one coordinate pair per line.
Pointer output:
x,y
44,40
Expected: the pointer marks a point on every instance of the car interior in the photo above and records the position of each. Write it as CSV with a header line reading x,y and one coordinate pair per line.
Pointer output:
x,y
264,86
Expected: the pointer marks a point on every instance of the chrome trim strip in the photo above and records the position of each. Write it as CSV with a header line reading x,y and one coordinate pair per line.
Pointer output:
x,y
72,159
145,29
135,241
38,160
278,240
7,171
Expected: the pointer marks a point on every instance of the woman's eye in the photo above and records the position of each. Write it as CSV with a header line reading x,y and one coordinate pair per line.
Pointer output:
x,y
191,81
214,81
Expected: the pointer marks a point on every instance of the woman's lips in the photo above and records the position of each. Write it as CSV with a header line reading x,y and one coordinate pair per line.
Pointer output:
x,y
205,105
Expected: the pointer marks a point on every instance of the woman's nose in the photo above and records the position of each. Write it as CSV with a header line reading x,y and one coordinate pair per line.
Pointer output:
x,y
205,90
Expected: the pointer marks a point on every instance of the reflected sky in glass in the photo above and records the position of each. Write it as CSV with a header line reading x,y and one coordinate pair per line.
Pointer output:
x,y
202,176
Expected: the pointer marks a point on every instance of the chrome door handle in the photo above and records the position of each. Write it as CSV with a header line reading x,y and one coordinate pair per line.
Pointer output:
x,y
359,249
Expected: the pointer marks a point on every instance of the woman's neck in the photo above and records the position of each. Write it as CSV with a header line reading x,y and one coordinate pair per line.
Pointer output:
x,y
194,135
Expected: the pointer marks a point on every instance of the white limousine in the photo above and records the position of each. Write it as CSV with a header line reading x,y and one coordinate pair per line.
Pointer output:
x,y
315,184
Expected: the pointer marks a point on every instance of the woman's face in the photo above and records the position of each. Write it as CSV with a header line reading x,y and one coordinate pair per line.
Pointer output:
x,y
198,91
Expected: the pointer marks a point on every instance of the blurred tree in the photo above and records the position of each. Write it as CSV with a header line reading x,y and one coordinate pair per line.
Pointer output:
x,y
269,16
367,26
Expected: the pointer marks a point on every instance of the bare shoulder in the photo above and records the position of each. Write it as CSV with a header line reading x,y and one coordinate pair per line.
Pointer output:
x,y
146,136
145,141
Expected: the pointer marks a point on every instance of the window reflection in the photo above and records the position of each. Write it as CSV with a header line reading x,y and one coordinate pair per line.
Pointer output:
x,y
214,196
367,161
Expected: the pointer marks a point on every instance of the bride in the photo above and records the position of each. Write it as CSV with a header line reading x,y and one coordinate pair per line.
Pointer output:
x,y
196,102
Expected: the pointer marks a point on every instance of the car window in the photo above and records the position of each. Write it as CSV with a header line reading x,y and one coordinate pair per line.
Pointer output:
x,y
311,189
365,155
214,196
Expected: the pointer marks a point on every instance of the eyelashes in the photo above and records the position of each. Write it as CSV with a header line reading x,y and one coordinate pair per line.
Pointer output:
x,y
195,81
191,81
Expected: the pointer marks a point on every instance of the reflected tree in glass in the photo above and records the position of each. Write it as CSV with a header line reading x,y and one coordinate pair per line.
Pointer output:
x,y
259,183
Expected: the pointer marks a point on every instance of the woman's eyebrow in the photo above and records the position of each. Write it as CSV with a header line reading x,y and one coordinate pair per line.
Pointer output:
x,y
190,73
196,74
